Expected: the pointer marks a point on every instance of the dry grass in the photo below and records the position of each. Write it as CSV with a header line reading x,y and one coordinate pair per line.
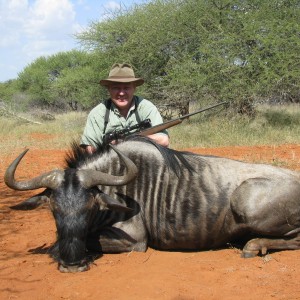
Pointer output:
x,y
56,134
272,126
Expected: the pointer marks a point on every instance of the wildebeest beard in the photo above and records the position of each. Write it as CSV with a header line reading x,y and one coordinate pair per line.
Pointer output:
x,y
78,235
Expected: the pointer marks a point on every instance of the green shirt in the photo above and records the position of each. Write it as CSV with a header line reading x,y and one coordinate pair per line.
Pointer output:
x,y
94,128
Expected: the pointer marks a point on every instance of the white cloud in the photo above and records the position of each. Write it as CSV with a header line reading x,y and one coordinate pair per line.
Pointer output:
x,y
112,5
36,28
11,19
14,8
44,47
47,18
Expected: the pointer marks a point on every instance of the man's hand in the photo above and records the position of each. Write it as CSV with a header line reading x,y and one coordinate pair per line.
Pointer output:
x,y
90,149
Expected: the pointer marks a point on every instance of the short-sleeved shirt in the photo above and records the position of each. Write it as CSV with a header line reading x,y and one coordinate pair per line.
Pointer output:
x,y
95,126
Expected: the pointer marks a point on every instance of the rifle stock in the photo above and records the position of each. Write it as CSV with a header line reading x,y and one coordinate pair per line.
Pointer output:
x,y
160,127
171,123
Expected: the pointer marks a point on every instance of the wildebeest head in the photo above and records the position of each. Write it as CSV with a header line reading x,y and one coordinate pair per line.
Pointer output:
x,y
74,198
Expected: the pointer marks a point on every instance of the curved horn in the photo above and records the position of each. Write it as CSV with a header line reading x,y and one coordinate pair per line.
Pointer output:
x,y
47,180
90,178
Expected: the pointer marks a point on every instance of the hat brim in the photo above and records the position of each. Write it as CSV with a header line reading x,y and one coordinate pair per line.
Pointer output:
x,y
106,82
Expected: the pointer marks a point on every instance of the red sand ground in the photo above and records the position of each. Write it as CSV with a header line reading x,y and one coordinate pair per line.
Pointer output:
x,y
26,271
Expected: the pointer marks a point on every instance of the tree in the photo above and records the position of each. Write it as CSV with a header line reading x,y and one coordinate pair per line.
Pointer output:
x,y
242,51
60,80
238,50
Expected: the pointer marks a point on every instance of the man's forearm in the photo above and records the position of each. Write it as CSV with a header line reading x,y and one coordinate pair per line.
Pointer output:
x,y
161,139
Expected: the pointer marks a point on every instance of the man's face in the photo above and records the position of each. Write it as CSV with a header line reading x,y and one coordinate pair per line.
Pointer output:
x,y
121,94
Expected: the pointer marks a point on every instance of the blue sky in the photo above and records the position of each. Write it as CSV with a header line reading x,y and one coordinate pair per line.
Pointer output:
x,y
34,28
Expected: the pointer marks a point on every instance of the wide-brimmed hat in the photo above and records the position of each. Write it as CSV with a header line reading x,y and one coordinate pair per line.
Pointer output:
x,y
121,73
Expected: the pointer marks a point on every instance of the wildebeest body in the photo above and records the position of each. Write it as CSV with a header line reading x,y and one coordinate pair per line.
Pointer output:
x,y
205,207
178,201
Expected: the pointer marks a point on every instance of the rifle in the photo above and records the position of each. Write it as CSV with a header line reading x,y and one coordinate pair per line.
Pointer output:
x,y
144,128
171,123
120,134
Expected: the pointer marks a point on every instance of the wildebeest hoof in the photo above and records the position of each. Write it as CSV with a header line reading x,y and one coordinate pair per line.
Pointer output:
x,y
249,253
73,269
253,247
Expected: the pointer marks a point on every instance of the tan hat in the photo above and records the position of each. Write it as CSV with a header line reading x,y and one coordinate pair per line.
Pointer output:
x,y
121,73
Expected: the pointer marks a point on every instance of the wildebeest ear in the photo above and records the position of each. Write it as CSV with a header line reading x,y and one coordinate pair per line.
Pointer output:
x,y
111,203
33,202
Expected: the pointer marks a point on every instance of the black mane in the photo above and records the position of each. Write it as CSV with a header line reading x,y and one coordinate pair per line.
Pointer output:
x,y
173,158
76,156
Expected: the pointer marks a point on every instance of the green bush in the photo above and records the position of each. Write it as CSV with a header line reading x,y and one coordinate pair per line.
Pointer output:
x,y
282,119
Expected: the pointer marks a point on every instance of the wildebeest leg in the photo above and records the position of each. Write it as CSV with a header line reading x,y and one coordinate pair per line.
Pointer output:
x,y
268,208
253,247
115,240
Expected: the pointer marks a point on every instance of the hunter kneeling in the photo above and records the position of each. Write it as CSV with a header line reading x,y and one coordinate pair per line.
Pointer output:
x,y
122,110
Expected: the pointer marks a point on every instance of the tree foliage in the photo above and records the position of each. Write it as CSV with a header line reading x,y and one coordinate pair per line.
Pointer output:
x,y
66,79
243,51
195,50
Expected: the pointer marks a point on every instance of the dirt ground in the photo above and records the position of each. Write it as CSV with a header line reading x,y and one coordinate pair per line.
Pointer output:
x,y
27,272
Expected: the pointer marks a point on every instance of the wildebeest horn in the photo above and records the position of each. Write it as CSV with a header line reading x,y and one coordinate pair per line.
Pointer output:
x,y
90,178
47,180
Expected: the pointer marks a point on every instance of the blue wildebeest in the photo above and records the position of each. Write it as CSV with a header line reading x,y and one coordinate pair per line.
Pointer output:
x,y
138,194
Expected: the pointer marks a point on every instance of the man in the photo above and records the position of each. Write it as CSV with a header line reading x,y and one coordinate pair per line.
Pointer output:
x,y
123,109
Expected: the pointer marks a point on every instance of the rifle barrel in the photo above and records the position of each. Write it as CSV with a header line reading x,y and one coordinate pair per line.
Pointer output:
x,y
202,110
171,123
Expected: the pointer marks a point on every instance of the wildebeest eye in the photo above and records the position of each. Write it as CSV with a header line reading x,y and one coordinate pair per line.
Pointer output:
x,y
52,204
91,201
